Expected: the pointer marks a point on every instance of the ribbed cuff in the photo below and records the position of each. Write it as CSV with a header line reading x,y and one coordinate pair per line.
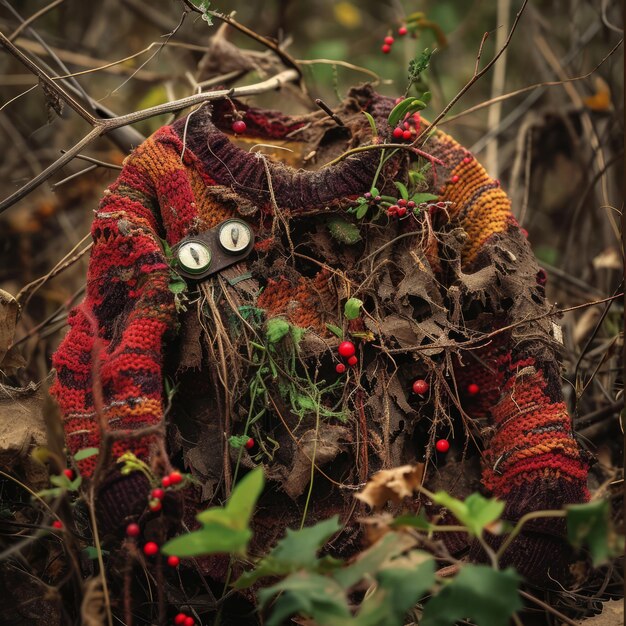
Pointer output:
x,y
120,500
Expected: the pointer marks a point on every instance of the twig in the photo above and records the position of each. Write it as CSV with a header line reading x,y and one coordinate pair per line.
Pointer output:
x,y
322,105
476,76
27,22
548,608
47,80
103,126
517,92
287,59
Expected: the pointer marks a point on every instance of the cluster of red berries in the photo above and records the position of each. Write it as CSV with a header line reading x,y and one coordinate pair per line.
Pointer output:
x,y
347,350
388,40
400,209
409,127
150,548
239,127
156,495
182,619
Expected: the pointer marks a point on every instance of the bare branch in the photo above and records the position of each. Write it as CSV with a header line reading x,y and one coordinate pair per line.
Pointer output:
x,y
104,126
476,76
46,79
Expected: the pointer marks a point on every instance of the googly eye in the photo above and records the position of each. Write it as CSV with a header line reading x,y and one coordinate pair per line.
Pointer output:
x,y
234,236
194,257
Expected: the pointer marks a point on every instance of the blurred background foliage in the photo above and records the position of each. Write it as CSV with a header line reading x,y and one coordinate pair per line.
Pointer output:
x,y
557,149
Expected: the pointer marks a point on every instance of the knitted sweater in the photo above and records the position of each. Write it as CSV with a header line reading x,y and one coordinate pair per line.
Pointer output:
x,y
451,294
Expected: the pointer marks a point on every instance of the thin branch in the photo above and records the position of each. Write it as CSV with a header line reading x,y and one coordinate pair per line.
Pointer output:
x,y
104,126
517,92
47,80
27,22
476,76
287,59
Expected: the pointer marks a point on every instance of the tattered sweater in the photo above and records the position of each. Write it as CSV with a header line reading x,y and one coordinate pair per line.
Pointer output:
x,y
451,294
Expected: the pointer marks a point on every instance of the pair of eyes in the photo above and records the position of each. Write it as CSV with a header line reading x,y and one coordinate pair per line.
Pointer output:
x,y
233,237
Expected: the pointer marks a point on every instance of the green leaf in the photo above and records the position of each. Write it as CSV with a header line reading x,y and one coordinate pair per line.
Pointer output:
x,y
426,97
420,198
372,123
335,330
412,521
309,594
240,506
352,308
177,286
85,453
297,550
224,530
343,231
238,441
91,552
399,589
419,65
369,561
474,513
361,211
478,593
399,111
404,192
212,538
276,329
588,525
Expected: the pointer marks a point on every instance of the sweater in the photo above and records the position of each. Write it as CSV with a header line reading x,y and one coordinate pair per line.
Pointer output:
x,y
451,294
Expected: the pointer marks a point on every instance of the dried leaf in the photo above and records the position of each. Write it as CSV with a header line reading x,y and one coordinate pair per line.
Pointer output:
x,y
394,484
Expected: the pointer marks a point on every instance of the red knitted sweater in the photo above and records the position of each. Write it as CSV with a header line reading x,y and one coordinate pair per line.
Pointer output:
x,y
435,287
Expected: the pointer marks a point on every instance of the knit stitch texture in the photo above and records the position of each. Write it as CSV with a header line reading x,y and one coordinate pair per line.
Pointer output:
x,y
477,276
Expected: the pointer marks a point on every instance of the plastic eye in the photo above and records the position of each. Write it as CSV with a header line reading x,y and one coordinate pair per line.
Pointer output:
x,y
194,256
235,236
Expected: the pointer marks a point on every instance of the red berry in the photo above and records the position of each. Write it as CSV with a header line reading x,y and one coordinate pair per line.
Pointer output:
x,y
69,473
175,477
157,494
189,621
346,349
352,361
392,210
389,40
524,232
166,481
180,619
407,134
133,530
443,445
398,132
402,31
467,160
250,443
402,202
340,368
420,386
410,204
155,505
401,211
386,49
150,549
473,389
58,524
407,126
239,127
173,561
454,179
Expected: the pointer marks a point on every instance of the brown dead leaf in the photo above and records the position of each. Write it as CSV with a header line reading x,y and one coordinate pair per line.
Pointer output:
x,y
393,484
22,428
9,314
610,258
330,441
612,614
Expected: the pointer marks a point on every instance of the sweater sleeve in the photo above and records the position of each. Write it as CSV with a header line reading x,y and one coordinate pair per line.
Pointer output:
x,y
121,324
511,385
